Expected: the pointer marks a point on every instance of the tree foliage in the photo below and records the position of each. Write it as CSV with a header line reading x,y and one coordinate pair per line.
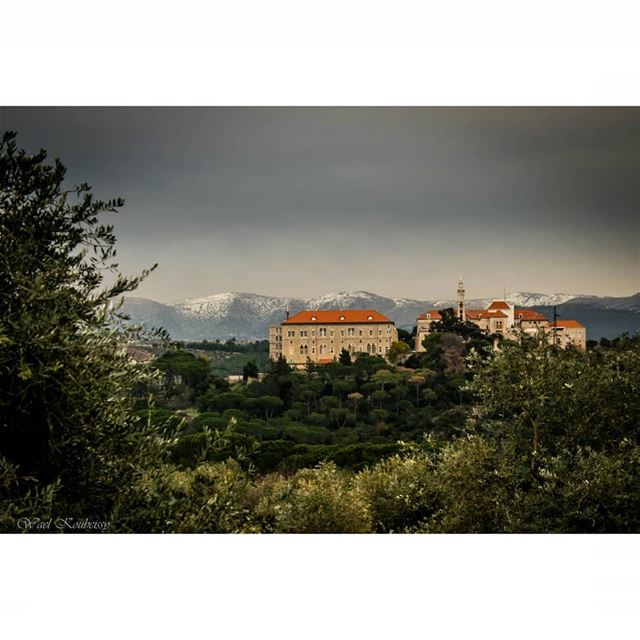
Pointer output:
x,y
66,428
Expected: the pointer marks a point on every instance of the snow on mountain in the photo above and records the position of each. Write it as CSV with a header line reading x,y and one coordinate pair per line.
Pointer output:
x,y
518,299
524,299
221,304
350,300
248,315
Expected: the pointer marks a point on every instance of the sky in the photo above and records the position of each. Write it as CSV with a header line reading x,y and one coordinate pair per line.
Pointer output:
x,y
396,201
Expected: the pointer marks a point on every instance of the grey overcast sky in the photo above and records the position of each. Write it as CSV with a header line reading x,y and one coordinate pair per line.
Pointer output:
x,y
397,201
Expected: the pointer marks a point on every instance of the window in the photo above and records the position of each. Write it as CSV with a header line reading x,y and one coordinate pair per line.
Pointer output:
x,y
313,318
342,317
369,317
360,332
370,332
351,331
322,333
303,334
291,334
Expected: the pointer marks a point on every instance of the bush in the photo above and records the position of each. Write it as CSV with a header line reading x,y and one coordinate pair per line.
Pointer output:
x,y
345,436
270,454
476,487
321,500
211,498
304,434
400,490
260,429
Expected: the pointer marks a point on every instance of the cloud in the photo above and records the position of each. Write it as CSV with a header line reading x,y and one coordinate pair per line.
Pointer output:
x,y
395,200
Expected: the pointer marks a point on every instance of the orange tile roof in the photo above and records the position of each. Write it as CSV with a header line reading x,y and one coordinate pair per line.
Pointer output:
x,y
569,324
479,314
528,314
498,304
348,316
435,315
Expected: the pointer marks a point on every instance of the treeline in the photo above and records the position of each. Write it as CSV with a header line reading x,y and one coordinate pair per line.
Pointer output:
x,y
551,446
367,402
230,346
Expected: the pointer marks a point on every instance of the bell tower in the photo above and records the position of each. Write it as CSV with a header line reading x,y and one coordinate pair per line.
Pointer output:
x,y
461,312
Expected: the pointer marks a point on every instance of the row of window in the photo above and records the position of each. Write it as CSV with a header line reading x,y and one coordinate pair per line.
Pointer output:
x,y
322,332
325,350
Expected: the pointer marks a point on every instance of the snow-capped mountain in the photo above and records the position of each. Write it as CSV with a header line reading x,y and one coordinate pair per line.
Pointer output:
x,y
522,299
518,299
248,315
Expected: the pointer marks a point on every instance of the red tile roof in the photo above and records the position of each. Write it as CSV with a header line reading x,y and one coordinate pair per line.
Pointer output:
x,y
479,314
528,314
348,316
435,315
498,304
569,324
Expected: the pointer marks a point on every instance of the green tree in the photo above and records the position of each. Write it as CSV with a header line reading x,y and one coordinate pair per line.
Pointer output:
x,y
407,336
450,323
67,430
269,405
345,358
182,367
250,370
355,398
397,350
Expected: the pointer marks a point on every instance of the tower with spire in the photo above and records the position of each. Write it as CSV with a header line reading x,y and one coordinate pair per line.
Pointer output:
x,y
461,310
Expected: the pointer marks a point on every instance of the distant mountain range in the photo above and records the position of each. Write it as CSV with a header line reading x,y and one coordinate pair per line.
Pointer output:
x,y
247,316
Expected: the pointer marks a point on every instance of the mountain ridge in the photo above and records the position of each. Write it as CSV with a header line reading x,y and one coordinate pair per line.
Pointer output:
x,y
247,316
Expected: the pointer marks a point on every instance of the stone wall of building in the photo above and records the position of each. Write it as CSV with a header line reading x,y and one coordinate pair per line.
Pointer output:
x,y
323,342
501,318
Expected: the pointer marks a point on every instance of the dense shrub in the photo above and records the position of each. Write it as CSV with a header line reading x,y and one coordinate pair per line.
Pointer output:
x,y
400,490
260,429
304,434
321,500
212,498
